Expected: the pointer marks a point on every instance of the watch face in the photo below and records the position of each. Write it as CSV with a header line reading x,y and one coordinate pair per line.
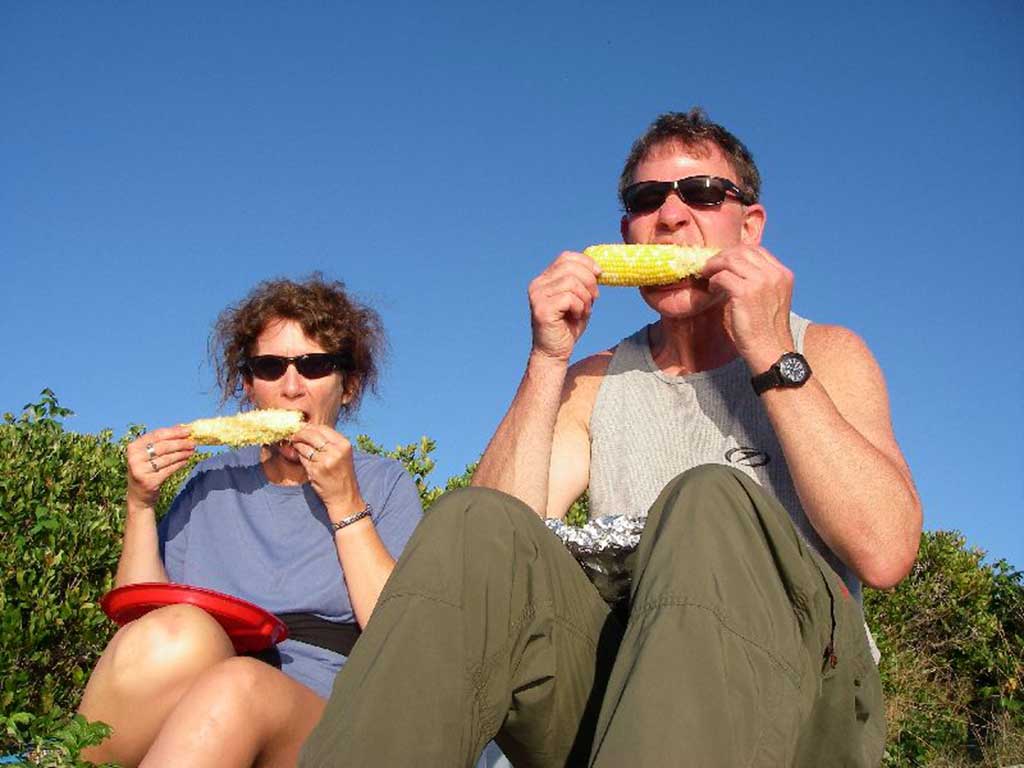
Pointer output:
x,y
793,369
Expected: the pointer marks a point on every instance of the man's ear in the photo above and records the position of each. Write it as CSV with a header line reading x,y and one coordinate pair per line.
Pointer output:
x,y
754,218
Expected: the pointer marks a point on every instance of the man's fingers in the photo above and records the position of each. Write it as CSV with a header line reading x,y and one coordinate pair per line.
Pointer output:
x,y
726,282
575,257
570,304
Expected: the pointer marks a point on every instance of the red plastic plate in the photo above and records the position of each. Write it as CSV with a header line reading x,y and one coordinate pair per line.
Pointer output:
x,y
250,627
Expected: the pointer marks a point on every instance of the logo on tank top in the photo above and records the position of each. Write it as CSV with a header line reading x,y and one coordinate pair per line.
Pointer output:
x,y
747,457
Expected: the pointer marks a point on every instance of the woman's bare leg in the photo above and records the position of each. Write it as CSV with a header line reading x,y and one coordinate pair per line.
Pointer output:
x,y
241,712
144,671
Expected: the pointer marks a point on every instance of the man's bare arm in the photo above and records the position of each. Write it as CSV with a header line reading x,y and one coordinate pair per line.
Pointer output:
x,y
518,458
848,470
835,431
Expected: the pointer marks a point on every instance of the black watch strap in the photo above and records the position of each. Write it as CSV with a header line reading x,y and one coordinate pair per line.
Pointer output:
x,y
790,371
770,379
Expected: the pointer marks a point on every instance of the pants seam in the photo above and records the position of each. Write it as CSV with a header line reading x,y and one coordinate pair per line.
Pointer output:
x,y
422,595
478,678
647,607
758,743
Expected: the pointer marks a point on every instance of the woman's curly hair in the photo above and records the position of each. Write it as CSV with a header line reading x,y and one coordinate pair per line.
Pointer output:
x,y
326,313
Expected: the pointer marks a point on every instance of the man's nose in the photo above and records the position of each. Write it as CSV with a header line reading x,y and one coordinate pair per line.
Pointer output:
x,y
673,212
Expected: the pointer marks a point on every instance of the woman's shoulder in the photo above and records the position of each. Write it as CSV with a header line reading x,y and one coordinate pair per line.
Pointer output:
x,y
372,465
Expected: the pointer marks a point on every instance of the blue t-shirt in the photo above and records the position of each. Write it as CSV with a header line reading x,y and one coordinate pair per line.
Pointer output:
x,y
232,530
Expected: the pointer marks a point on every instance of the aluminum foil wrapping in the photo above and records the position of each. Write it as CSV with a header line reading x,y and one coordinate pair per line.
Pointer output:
x,y
606,548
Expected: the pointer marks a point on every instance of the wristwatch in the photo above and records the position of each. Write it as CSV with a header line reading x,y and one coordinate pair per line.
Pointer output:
x,y
790,371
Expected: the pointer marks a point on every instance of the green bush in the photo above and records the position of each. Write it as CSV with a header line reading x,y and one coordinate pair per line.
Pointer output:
x,y
952,642
951,635
61,498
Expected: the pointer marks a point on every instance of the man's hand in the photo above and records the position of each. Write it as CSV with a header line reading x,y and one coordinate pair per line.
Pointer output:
x,y
757,289
561,300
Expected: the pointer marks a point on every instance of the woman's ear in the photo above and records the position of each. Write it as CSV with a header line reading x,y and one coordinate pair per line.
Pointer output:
x,y
350,388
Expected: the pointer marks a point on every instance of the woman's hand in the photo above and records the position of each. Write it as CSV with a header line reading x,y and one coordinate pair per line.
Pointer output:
x,y
327,458
152,458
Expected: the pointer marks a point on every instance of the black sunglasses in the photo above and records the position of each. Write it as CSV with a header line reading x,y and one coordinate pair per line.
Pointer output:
x,y
697,191
315,365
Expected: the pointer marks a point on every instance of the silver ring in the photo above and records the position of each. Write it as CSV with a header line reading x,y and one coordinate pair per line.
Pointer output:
x,y
321,447
150,451
312,455
152,463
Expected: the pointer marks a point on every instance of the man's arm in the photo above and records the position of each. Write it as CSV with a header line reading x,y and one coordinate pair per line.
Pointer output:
x,y
853,481
533,445
835,431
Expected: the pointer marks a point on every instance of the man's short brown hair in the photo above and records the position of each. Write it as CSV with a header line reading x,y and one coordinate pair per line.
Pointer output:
x,y
326,313
693,130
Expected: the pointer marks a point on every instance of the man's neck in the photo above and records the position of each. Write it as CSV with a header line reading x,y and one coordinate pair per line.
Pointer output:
x,y
692,344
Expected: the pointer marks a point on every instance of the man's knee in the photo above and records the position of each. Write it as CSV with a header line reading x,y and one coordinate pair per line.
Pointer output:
x,y
710,496
477,515
705,477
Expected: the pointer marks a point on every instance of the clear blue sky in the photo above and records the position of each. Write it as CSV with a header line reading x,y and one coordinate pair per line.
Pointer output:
x,y
157,160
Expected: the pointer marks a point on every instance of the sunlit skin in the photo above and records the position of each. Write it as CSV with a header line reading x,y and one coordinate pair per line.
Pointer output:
x,y
320,400
677,223
755,323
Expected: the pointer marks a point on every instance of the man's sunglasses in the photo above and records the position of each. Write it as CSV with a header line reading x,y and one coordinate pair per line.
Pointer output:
x,y
697,191
315,365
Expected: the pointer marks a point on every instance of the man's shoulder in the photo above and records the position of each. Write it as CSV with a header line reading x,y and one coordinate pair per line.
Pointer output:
x,y
593,366
833,341
582,383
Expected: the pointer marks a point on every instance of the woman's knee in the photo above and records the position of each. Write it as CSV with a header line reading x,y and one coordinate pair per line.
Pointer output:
x,y
170,642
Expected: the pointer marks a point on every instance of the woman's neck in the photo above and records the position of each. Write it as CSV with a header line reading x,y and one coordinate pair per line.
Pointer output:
x,y
279,470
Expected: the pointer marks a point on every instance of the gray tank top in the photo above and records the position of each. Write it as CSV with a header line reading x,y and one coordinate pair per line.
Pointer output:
x,y
647,427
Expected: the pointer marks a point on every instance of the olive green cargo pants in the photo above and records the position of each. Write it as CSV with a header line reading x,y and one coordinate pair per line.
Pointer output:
x,y
741,648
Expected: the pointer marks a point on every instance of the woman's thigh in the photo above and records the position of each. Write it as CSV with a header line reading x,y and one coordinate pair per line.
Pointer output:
x,y
241,712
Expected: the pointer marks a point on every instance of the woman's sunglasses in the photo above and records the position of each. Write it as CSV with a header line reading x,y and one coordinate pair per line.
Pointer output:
x,y
315,365
697,191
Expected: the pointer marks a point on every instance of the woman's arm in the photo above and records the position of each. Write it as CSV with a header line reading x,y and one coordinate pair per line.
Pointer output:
x,y
151,459
365,560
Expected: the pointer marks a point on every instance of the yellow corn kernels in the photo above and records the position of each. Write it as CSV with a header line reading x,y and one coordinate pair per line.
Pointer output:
x,y
247,428
647,264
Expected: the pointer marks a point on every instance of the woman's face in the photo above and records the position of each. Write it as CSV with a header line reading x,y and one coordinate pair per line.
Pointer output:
x,y
320,400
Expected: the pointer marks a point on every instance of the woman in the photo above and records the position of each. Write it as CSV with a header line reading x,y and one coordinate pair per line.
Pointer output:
x,y
306,526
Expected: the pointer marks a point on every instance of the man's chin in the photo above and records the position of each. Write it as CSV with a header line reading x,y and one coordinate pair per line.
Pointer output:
x,y
698,283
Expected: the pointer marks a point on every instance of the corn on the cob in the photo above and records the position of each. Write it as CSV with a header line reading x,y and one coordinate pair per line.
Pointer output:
x,y
248,428
647,264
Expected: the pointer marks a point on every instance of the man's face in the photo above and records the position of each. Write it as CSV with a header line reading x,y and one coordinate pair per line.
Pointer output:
x,y
678,223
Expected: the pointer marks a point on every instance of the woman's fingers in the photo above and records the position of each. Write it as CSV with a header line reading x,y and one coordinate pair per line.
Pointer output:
x,y
155,456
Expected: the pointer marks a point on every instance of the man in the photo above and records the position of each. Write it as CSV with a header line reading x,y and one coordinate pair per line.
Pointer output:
x,y
743,642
